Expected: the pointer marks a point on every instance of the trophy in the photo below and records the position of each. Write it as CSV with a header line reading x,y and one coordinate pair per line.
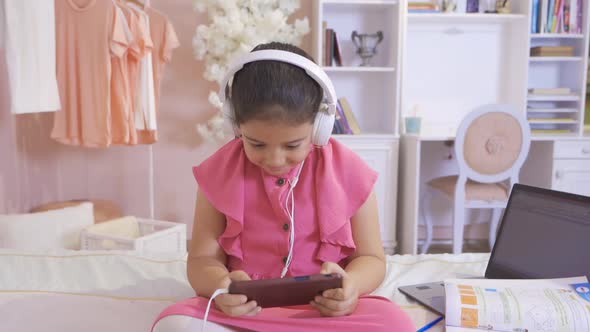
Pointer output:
x,y
366,45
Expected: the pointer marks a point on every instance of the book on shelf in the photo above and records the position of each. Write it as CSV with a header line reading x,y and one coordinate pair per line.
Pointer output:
x,y
559,97
342,120
336,50
532,109
552,51
557,16
350,117
517,305
328,45
550,91
345,122
427,6
550,131
552,120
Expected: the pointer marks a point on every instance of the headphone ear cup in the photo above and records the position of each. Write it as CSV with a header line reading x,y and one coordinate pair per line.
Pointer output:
x,y
322,127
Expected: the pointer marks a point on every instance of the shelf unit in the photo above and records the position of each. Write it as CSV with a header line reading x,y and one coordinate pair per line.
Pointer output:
x,y
373,92
453,63
559,72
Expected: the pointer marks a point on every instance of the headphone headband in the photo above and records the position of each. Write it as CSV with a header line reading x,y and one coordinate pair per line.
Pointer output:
x,y
313,70
325,116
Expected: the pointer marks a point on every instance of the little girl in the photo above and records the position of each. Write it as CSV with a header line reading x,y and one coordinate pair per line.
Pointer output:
x,y
276,201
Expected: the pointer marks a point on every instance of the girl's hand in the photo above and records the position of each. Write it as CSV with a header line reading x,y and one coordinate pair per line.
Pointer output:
x,y
235,304
338,301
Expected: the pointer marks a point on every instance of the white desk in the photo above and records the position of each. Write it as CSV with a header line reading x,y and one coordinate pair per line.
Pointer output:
x,y
561,163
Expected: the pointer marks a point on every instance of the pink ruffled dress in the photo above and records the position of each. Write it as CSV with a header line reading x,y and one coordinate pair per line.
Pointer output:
x,y
333,184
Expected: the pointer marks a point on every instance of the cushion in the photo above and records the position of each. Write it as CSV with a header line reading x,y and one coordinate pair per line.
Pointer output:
x,y
493,143
103,209
126,227
55,229
473,190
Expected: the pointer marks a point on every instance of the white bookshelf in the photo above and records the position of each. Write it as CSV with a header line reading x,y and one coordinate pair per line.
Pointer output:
x,y
559,72
373,92
449,64
453,63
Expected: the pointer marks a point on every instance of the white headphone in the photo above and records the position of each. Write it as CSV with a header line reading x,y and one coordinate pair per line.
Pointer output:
x,y
325,117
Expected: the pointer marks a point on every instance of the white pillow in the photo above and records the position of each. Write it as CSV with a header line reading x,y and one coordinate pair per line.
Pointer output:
x,y
54,229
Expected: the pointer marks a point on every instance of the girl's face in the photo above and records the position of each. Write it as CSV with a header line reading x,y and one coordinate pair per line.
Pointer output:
x,y
274,146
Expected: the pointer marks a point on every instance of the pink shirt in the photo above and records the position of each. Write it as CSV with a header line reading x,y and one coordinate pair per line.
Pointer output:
x,y
333,185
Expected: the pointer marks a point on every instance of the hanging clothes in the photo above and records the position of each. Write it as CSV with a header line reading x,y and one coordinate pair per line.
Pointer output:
x,y
145,115
120,89
29,43
141,46
88,34
164,41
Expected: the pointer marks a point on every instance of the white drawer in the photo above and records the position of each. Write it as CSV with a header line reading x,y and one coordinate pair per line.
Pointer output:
x,y
571,149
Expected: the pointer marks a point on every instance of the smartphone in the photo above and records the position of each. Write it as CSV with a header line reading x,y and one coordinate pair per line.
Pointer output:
x,y
282,292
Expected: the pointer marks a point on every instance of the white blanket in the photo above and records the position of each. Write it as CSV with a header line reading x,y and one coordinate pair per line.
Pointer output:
x,y
97,291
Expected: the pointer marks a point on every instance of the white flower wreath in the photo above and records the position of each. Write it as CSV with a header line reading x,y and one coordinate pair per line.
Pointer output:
x,y
235,28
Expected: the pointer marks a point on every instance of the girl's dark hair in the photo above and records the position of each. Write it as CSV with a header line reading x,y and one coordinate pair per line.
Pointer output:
x,y
260,85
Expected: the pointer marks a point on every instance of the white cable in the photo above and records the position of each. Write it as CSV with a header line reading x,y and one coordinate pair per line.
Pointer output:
x,y
213,296
291,215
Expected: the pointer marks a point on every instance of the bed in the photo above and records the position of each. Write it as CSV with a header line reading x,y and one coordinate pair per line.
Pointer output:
x,y
98,291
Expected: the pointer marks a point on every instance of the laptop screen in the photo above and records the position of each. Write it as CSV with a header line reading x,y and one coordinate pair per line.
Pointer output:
x,y
544,234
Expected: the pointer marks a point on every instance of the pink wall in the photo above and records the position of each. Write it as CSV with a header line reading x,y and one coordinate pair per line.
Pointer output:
x,y
35,170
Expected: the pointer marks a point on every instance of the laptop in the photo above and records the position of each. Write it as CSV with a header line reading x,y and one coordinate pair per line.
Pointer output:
x,y
543,234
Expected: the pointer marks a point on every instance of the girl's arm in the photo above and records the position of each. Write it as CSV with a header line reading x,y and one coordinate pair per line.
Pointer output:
x,y
366,267
206,259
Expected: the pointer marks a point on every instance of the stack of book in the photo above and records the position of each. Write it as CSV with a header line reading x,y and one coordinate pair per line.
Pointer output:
x,y
557,16
346,122
548,117
552,51
426,6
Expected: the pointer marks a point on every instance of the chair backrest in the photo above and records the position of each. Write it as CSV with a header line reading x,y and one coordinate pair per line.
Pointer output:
x,y
492,144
